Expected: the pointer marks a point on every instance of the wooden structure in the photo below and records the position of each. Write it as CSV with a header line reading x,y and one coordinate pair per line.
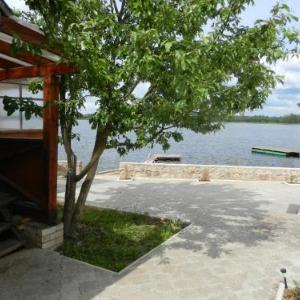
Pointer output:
x,y
28,158
275,151
163,158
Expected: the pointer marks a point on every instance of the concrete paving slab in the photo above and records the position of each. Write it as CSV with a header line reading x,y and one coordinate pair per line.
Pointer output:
x,y
240,236
43,274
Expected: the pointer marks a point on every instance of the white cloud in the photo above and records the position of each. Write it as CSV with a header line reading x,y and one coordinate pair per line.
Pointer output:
x,y
17,4
284,98
281,102
290,69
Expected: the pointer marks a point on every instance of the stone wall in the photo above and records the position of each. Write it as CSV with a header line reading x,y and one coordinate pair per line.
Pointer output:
x,y
208,172
62,168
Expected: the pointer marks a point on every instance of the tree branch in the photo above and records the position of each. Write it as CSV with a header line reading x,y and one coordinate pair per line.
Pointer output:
x,y
66,130
113,4
150,90
163,128
128,89
122,10
99,147
136,145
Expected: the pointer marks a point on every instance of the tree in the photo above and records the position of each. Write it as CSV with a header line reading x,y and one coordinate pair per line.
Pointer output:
x,y
193,57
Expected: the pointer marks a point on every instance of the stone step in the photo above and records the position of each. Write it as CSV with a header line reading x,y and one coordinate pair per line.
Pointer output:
x,y
9,245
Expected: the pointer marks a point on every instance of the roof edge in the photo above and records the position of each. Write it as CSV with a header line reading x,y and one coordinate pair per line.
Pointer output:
x,y
5,9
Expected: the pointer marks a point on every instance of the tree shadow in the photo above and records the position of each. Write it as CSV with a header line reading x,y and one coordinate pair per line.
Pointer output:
x,y
220,214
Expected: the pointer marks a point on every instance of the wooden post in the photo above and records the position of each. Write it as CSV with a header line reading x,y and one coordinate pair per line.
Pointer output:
x,y
50,134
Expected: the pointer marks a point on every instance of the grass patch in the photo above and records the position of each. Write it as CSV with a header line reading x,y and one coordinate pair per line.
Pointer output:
x,y
112,239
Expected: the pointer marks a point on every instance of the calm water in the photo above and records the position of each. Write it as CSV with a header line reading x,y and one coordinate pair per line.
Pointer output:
x,y
229,146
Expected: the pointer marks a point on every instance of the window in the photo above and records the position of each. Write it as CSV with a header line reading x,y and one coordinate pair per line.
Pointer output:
x,y
18,120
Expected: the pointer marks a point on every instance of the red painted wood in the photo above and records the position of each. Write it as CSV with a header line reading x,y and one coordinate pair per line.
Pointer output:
x,y
11,27
33,172
35,71
22,169
6,64
28,134
50,132
24,173
27,57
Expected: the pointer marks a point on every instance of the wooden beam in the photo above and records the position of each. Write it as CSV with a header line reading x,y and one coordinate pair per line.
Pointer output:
x,y
5,9
50,133
36,71
12,27
27,57
28,134
6,64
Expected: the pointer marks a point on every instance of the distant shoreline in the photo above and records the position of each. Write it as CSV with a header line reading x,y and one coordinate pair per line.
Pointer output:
x,y
288,119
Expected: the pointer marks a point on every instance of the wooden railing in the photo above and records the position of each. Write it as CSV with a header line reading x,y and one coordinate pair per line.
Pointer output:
x,y
31,134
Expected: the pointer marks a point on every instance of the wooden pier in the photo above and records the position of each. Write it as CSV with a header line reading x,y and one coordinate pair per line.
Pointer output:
x,y
159,158
275,151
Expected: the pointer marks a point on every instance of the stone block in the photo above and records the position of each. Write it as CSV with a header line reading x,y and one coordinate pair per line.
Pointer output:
x,y
62,168
44,236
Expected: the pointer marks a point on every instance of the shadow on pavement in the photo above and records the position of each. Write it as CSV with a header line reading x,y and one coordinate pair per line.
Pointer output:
x,y
220,214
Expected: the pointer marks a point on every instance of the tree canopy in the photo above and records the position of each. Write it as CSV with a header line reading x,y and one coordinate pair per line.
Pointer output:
x,y
191,56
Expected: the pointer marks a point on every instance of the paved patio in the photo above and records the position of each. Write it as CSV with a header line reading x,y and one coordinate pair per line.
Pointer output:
x,y
240,236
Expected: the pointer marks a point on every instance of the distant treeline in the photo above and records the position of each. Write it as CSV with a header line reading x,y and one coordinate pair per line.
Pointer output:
x,y
288,119
85,117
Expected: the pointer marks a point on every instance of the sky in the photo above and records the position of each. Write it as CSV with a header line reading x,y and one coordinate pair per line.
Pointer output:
x,y
285,97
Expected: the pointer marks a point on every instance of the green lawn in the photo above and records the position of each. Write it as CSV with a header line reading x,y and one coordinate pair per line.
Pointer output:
x,y
112,239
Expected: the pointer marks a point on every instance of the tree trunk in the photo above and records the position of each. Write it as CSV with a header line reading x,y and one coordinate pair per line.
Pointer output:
x,y
84,190
71,183
73,206
70,197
